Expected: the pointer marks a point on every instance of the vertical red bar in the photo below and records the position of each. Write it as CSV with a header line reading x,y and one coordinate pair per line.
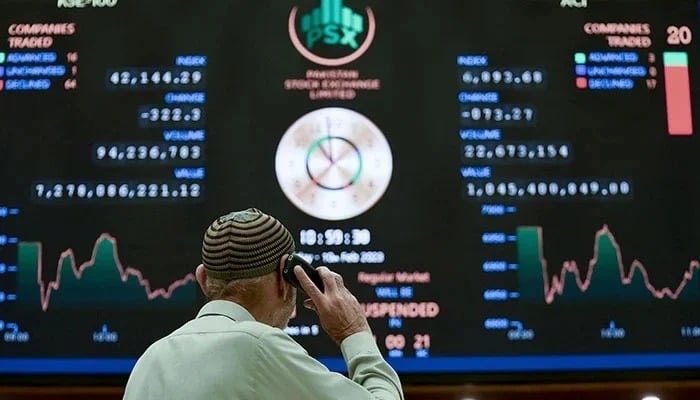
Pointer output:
x,y
678,100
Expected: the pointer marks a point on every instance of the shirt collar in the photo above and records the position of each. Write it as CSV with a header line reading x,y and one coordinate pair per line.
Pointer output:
x,y
226,308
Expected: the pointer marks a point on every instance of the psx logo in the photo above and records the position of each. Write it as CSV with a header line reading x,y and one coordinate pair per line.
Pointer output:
x,y
574,3
86,3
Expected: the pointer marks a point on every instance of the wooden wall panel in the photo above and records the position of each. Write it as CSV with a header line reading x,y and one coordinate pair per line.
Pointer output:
x,y
573,391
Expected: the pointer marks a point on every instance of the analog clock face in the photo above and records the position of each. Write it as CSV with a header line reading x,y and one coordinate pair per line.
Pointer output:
x,y
333,164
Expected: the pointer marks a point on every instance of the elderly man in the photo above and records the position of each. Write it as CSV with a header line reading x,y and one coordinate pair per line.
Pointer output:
x,y
236,349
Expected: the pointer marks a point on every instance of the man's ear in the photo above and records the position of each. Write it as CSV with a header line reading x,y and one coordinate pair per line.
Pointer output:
x,y
201,275
282,286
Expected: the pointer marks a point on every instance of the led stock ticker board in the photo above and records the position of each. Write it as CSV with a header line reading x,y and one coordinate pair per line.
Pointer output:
x,y
506,186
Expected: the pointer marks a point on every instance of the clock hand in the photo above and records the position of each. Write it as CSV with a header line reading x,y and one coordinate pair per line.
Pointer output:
x,y
328,135
325,153
318,144
313,181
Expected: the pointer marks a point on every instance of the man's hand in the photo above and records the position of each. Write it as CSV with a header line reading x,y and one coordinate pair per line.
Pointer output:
x,y
338,310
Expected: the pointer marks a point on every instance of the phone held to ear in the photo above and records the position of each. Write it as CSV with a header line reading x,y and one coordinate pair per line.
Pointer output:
x,y
288,271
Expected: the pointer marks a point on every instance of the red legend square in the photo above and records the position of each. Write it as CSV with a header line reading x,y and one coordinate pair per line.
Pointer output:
x,y
581,83
2,84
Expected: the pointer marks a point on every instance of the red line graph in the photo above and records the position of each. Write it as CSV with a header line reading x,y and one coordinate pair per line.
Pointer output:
x,y
45,289
557,284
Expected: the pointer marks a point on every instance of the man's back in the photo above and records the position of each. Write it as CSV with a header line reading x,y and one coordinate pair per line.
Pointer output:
x,y
225,354
211,354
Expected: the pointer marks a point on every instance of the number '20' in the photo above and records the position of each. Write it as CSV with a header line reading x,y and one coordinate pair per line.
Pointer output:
x,y
678,35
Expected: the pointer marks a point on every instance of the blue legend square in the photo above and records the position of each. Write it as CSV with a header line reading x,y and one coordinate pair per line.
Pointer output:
x,y
580,58
581,70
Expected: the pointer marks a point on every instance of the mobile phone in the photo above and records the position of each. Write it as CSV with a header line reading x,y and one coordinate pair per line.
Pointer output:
x,y
288,271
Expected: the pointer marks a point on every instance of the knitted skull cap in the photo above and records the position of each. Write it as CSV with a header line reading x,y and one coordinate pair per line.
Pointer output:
x,y
244,244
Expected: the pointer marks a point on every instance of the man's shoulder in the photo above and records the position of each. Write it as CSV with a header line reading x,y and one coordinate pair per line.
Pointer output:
x,y
224,327
240,339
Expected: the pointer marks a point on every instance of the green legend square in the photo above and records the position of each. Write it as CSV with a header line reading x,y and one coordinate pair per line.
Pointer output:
x,y
580,58
2,57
